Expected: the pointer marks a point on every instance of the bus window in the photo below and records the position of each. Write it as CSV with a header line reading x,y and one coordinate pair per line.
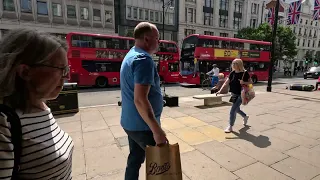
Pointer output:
x,y
241,46
246,46
190,42
82,41
101,66
217,44
207,43
131,43
225,44
173,67
167,47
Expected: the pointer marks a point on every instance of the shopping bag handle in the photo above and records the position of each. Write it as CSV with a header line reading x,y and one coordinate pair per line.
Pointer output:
x,y
163,144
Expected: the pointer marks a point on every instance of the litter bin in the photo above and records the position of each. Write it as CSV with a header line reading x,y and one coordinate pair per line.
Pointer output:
x,y
67,101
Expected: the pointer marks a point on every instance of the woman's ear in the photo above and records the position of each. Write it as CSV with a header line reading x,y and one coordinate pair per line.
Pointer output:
x,y
23,71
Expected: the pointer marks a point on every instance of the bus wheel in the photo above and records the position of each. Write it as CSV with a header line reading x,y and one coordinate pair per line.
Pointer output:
x,y
254,79
101,82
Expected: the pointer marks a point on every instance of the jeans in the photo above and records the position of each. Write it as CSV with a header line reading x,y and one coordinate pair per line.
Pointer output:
x,y
214,81
138,140
234,110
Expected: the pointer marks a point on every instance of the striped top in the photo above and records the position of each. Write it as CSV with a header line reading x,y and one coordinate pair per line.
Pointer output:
x,y
46,149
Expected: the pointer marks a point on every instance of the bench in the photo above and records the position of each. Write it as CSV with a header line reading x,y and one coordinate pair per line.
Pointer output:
x,y
211,99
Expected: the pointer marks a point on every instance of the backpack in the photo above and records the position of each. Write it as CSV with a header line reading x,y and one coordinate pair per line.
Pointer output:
x,y
16,137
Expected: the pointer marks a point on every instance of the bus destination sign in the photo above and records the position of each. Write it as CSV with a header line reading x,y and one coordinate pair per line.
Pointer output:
x,y
226,53
247,54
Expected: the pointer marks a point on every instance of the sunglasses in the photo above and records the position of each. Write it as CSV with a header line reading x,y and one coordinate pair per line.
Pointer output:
x,y
65,70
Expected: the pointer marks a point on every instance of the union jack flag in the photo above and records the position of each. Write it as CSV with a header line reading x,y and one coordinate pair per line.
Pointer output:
x,y
316,10
271,16
294,12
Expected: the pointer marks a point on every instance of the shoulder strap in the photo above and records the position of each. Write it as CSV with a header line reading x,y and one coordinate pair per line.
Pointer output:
x,y
16,137
244,72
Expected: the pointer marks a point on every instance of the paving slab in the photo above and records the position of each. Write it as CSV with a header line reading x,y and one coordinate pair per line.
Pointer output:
x,y
79,177
71,127
118,131
98,160
291,137
267,119
205,117
112,121
308,125
316,148
309,156
197,166
174,113
77,139
67,118
110,113
260,140
190,121
316,178
92,115
88,126
98,138
227,157
191,136
214,133
170,124
183,146
187,110
78,162
260,171
299,130
296,169
265,155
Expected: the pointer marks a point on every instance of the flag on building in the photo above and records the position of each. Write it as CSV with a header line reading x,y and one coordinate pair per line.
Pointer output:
x,y
316,10
271,16
294,12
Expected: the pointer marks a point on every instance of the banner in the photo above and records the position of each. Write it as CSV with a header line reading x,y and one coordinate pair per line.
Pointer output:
x,y
226,53
247,54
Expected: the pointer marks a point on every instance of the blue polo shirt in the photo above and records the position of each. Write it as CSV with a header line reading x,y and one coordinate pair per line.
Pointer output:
x,y
138,68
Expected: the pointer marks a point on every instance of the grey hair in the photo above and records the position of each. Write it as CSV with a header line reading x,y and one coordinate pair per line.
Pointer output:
x,y
23,46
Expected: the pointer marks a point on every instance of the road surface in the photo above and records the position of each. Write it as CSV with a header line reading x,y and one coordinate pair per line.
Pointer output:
x,y
95,96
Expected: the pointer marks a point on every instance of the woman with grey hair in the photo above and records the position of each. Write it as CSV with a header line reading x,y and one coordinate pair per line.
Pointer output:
x,y
33,68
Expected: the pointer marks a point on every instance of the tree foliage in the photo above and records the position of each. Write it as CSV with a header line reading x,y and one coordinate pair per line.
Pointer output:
x,y
284,44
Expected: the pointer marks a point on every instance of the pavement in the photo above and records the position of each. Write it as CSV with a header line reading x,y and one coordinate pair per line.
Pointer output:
x,y
281,142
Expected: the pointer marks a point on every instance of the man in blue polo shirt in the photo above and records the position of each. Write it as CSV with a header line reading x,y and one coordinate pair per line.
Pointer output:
x,y
142,100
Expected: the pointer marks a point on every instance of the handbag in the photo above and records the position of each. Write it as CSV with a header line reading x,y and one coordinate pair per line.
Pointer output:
x,y
233,98
247,93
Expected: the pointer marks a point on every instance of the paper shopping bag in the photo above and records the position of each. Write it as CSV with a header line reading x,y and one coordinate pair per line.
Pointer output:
x,y
163,162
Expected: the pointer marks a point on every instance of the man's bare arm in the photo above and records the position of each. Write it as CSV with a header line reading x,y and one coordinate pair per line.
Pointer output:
x,y
144,107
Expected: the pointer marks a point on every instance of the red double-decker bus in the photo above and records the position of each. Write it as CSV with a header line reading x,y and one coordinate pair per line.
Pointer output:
x,y
200,52
96,59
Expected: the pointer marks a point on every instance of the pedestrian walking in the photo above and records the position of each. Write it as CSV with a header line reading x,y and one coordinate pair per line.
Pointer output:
x,y
142,100
33,68
236,79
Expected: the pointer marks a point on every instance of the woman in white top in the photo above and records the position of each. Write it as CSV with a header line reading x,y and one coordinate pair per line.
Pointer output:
x,y
33,68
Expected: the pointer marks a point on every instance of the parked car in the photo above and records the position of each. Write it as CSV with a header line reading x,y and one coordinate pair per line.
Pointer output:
x,y
313,72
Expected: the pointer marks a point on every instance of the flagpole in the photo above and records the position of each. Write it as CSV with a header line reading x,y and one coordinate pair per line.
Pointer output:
x,y
273,46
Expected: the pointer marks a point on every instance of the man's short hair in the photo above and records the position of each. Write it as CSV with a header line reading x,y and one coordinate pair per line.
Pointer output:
x,y
142,28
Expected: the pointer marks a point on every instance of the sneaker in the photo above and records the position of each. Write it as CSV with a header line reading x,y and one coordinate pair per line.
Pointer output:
x,y
245,120
228,129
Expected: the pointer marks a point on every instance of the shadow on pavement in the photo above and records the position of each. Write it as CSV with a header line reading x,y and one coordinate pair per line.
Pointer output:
x,y
259,141
213,106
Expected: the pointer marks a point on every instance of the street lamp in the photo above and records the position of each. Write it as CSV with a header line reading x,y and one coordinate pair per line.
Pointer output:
x,y
274,34
167,5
